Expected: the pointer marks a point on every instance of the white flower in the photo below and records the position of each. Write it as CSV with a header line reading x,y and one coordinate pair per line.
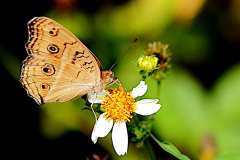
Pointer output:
x,y
118,107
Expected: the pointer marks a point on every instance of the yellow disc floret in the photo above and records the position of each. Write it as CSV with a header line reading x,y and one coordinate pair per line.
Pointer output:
x,y
118,105
147,63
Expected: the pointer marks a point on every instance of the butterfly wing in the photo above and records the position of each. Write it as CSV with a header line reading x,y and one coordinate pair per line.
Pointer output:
x,y
59,67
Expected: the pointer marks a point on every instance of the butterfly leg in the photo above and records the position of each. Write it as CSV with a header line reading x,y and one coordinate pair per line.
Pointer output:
x,y
95,95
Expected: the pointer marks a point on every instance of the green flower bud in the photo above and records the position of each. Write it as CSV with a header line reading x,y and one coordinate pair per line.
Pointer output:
x,y
147,63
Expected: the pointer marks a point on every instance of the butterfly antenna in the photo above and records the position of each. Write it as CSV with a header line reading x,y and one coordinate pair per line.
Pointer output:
x,y
111,68
134,41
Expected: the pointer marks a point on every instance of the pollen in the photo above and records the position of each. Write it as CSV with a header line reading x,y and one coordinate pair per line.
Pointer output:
x,y
118,105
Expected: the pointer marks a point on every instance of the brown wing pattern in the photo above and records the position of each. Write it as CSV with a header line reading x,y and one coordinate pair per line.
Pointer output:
x,y
59,67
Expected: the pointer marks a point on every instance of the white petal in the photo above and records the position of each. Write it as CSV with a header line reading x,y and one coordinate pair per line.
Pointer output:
x,y
144,101
140,90
96,97
101,128
147,106
120,138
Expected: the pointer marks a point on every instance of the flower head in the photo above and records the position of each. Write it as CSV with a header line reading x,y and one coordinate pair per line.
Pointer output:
x,y
156,60
119,106
159,50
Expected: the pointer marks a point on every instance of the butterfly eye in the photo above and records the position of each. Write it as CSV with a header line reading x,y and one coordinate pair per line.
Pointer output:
x,y
53,48
53,32
48,69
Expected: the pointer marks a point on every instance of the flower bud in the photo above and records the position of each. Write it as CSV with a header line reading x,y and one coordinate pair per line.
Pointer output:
x,y
159,50
147,63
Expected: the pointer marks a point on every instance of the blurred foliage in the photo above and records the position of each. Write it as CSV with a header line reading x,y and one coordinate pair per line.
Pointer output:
x,y
189,113
10,63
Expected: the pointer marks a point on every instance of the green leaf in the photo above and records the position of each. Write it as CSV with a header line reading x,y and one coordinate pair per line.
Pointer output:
x,y
225,97
170,148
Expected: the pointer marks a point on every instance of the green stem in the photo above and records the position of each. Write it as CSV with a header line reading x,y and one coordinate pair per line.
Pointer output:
x,y
150,150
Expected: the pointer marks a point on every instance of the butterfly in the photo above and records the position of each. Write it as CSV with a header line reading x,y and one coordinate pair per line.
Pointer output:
x,y
59,66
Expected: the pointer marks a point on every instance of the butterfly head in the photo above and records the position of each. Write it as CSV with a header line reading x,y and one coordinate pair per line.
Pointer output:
x,y
107,77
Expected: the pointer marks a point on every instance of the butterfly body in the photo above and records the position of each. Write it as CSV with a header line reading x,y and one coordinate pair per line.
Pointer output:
x,y
59,67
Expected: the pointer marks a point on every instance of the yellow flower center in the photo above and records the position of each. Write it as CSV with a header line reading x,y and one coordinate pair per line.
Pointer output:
x,y
118,105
